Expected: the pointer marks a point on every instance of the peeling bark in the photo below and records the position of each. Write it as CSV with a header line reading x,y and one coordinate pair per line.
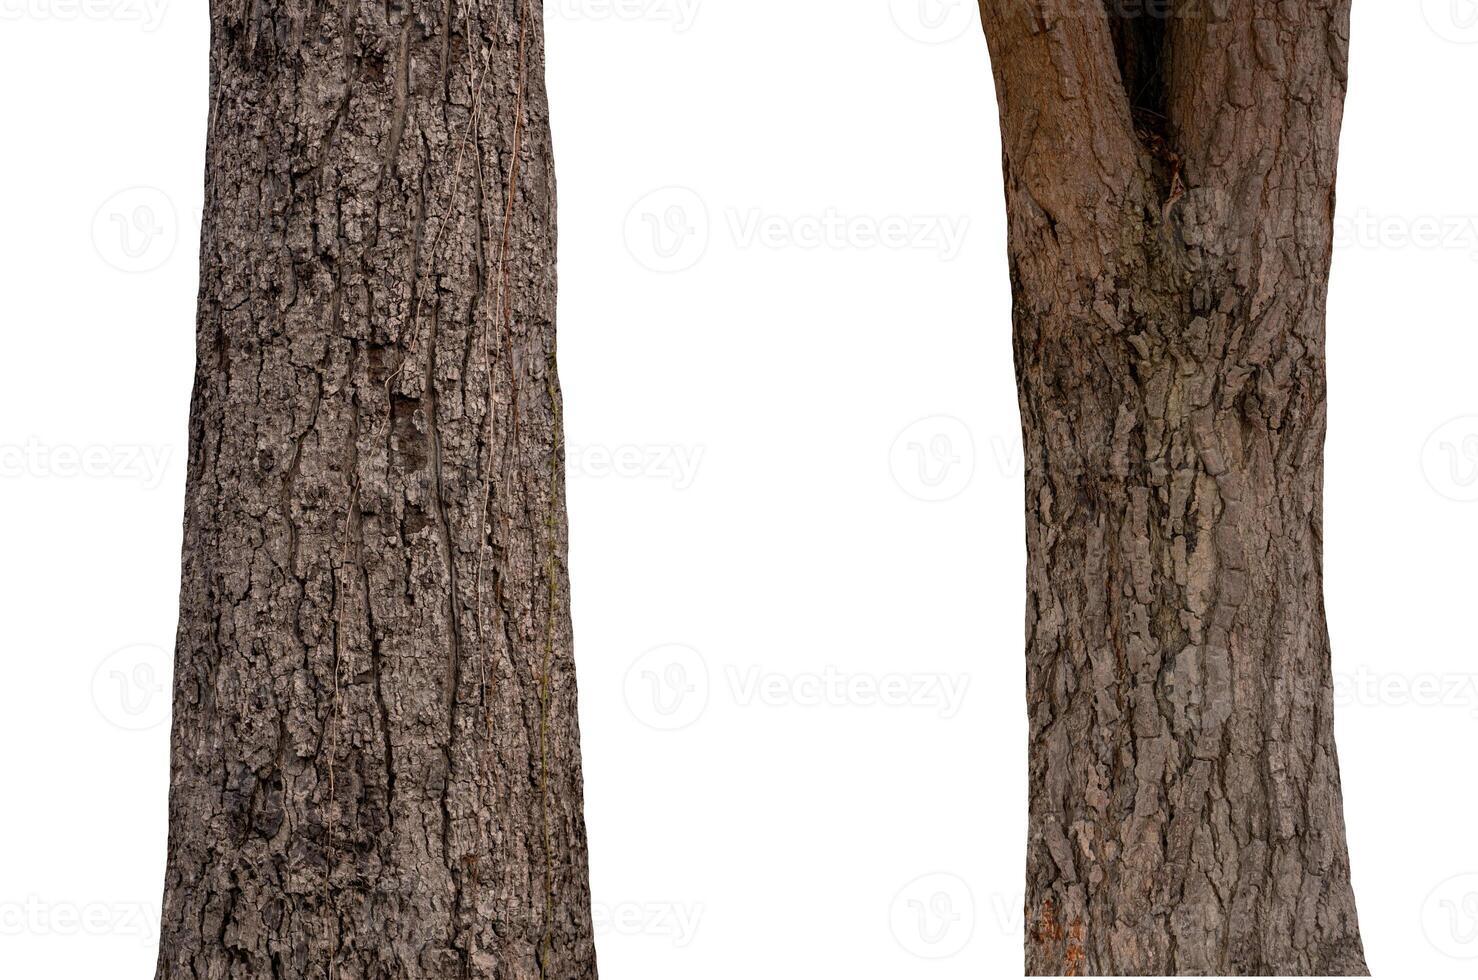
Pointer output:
x,y
376,764
1170,172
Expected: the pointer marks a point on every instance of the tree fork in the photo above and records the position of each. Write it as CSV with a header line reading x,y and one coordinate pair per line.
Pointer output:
x,y
1169,171
375,758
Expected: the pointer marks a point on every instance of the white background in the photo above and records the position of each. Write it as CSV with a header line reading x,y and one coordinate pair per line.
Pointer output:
x,y
796,477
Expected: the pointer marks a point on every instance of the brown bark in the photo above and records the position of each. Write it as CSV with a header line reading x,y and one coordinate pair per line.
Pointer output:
x,y
376,765
1170,171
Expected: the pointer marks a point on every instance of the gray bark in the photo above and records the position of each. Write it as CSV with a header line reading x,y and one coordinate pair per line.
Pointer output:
x,y
376,764
1170,195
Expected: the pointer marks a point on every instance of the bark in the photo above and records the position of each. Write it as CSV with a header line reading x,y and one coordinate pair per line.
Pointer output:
x,y
376,765
1170,172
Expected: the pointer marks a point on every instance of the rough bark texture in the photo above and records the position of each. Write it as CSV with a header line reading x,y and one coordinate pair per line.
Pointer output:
x,y
1170,171
376,767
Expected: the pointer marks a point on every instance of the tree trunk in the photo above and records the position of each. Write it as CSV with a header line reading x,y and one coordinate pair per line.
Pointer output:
x,y
376,765
1170,172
